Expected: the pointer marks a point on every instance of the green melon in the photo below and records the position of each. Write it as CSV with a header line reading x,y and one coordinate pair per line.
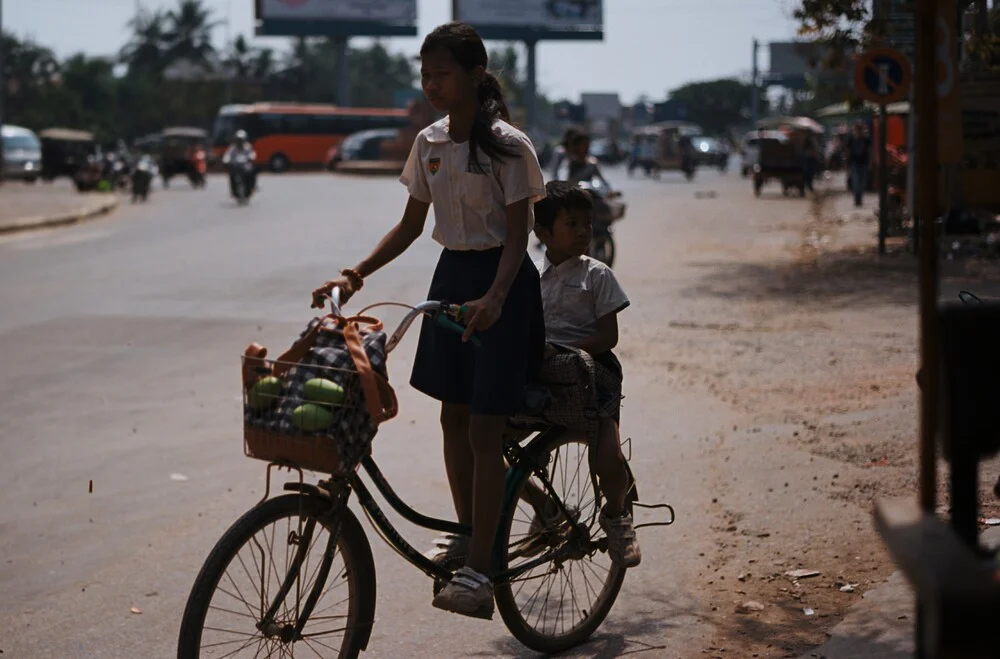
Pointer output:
x,y
264,393
321,390
311,417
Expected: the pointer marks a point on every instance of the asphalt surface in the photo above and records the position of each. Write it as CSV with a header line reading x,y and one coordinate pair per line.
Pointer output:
x,y
122,339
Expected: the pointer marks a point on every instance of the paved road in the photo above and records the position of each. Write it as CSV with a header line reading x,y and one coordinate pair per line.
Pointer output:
x,y
121,341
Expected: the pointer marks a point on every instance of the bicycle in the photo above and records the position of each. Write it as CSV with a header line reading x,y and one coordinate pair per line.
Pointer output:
x,y
326,550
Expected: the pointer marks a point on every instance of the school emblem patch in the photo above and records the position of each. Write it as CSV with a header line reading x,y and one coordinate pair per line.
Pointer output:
x,y
433,165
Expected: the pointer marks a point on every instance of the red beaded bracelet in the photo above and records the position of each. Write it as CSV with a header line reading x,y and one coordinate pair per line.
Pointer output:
x,y
356,279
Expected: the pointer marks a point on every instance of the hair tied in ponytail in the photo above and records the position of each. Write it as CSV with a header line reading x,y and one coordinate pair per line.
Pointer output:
x,y
466,46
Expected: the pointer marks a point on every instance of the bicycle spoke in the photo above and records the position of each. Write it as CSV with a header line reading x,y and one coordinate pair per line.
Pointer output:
x,y
256,591
239,649
316,640
240,598
314,650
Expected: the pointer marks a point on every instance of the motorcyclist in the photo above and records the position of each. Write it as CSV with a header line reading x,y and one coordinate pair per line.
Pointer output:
x,y
581,166
242,148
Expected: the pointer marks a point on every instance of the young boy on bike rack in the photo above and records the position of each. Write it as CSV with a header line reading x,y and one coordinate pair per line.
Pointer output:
x,y
581,299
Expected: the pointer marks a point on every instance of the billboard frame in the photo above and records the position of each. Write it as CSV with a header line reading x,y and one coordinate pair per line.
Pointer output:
x,y
298,27
525,33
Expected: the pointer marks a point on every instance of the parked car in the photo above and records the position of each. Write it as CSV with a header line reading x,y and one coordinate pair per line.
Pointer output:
x,y
362,149
710,152
22,154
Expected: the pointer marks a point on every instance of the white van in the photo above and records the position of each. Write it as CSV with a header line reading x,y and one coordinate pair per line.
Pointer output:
x,y
22,154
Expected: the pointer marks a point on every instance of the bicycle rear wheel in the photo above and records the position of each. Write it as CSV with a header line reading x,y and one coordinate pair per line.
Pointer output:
x,y
285,540
560,603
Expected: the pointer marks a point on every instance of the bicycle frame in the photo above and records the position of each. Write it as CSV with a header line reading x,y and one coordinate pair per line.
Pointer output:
x,y
517,457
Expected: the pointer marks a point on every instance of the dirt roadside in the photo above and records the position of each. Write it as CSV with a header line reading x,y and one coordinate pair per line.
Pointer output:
x,y
813,340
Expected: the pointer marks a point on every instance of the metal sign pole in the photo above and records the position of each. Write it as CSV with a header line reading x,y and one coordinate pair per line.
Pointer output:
x,y
925,95
883,179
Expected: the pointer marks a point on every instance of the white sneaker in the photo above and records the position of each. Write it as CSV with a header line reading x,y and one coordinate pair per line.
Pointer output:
x,y
469,593
623,547
448,547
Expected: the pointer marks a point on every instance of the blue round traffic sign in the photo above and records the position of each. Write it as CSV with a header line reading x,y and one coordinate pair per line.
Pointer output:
x,y
882,75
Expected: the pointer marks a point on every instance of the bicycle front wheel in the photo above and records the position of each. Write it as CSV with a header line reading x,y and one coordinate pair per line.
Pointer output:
x,y
266,571
558,604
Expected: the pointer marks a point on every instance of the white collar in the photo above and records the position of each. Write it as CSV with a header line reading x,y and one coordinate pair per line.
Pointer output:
x,y
565,265
437,132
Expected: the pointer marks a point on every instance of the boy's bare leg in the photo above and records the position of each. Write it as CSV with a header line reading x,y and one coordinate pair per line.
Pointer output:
x,y
458,458
609,464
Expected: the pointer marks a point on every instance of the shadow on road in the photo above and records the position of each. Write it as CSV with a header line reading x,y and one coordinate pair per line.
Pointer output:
x,y
634,633
832,280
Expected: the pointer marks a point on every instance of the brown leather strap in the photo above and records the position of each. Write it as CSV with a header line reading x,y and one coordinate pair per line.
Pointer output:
x,y
297,352
372,324
379,396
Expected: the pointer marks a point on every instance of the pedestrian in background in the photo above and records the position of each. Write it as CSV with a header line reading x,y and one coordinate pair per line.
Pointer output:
x,y
859,154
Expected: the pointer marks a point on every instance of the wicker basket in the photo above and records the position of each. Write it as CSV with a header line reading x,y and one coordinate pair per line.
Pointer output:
x,y
310,452
313,451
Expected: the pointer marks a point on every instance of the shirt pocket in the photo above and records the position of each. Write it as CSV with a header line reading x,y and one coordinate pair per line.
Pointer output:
x,y
575,305
477,188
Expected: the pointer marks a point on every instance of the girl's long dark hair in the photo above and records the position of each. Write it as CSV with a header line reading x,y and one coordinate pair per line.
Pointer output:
x,y
465,45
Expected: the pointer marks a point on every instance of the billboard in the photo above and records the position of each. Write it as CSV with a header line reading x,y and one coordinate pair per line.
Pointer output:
x,y
336,18
533,19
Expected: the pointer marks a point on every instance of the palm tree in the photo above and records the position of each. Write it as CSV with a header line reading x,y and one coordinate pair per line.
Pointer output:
x,y
241,58
189,33
144,53
262,66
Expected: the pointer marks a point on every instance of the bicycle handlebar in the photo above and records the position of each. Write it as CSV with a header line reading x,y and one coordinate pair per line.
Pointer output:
x,y
446,315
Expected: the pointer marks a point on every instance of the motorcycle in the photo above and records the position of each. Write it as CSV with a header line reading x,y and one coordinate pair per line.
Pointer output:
x,y
241,178
608,208
114,172
142,178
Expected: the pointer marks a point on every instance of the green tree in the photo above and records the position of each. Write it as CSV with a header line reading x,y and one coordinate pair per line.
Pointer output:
x,y
240,58
375,75
30,72
145,51
718,104
189,33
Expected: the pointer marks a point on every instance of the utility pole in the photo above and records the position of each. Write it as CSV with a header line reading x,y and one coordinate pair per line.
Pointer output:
x,y
754,89
531,89
228,66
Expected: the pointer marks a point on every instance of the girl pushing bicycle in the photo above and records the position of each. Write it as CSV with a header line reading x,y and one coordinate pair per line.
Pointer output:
x,y
482,176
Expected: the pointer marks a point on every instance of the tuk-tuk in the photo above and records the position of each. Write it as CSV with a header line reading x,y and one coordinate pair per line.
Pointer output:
x,y
65,152
673,148
782,155
183,151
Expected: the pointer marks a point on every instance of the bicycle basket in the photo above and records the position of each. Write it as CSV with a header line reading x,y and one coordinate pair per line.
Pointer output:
x,y
313,407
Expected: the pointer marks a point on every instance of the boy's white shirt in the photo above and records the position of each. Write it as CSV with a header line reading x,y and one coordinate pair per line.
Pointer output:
x,y
575,294
470,208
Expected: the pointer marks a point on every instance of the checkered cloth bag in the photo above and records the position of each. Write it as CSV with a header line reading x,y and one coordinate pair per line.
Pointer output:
x,y
351,353
571,377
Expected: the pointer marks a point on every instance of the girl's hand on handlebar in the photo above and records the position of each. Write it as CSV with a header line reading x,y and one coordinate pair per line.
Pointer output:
x,y
481,314
321,294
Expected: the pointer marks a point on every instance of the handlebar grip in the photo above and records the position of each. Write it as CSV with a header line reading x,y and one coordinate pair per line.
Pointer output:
x,y
447,323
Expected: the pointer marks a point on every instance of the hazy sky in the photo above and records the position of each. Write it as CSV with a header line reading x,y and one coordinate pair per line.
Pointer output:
x,y
649,47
